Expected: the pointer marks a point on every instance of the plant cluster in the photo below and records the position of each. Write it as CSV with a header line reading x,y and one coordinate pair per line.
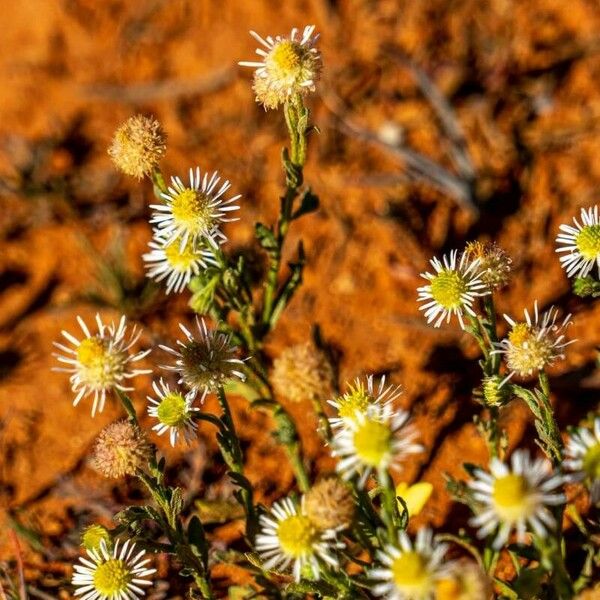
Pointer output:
x,y
344,535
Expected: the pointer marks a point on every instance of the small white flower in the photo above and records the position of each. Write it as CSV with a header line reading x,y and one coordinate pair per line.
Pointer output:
x,y
100,362
289,66
359,397
207,362
120,574
452,288
516,498
535,344
582,457
176,265
174,412
376,439
194,212
288,537
579,245
410,571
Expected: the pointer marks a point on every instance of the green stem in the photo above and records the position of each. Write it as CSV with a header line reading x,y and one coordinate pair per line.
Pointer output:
x,y
389,509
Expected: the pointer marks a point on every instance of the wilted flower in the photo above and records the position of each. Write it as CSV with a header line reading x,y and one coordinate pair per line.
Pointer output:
x,y
207,362
138,146
194,213
289,66
175,264
516,497
174,412
99,362
359,397
329,504
580,245
376,439
535,344
288,537
452,288
119,574
410,571
120,449
582,457
303,372
495,265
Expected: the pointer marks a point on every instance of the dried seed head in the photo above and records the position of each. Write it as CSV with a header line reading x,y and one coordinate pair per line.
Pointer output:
x,y
93,535
465,581
329,504
121,449
495,265
303,372
138,145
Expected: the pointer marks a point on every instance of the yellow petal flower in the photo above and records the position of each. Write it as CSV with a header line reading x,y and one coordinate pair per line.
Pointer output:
x,y
414,496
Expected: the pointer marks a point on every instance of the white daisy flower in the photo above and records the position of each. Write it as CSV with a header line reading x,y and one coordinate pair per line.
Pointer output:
x,y
579,245
452,288
120,574
207,362
288,66
194,212
100,362
176,265
410,571
288,537
582,457
359,397
516,497
535,344
174,412
376,439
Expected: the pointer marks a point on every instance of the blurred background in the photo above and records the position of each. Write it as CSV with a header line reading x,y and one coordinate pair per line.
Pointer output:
x,y
441,121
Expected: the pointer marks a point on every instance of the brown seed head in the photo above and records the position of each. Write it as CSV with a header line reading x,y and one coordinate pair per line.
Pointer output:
x,y
329,504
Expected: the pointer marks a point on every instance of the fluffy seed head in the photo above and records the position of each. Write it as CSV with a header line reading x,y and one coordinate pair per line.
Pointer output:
x,y
121,449
93,535
138,145
329,504
303,372
495,265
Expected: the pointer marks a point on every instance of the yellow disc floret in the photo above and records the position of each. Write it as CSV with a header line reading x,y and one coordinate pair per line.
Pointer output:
x,y
447,289
511,497
181,260
410,573
285,60
112,578
588,242
98,366
173,410
528,351
297,535
591,462
354,401
372,442
191,210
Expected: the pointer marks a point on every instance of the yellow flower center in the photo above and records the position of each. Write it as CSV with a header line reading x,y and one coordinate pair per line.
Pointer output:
x,y
112,578
172,410
191,209
410,573
511,496
91,353
296,535
591,462
448,589
588,242
447,289
355,401
285,59
93,535
372,442
527,352
180,260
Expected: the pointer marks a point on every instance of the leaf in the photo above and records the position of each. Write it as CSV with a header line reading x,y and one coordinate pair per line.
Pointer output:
x,y
218,511
265,236
197,539
309,202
